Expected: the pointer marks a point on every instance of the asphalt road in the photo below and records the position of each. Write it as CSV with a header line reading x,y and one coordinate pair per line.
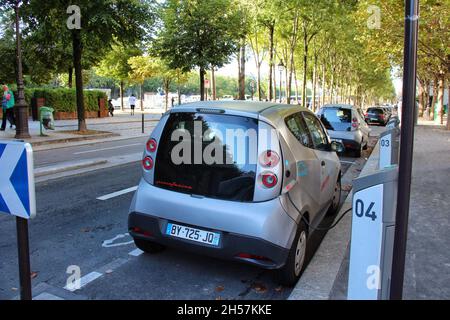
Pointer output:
x,y
94,150
71,226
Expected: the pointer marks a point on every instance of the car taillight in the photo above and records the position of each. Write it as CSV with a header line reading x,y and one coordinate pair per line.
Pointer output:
x,y
269,179
269,159
151,145
147,163
355,123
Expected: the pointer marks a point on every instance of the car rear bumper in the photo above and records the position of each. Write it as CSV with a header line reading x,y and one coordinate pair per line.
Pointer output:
x,y
351,144
256,228
265,254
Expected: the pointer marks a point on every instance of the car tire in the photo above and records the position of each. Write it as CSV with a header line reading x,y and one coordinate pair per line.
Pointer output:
x,y
148,246
289,274
366,145
357,153
336,201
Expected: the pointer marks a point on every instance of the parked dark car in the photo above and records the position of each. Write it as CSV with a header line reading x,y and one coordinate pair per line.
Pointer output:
x,y
377,115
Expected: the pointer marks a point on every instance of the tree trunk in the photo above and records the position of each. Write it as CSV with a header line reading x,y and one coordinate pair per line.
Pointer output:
x,y
122,107
166,91
274,83
141,87
433,101
70,82
258,83
242,72
314,84
421,98
77,48
305,67
202,84
296,85
440,110
213,83
448,105
271,64
323,84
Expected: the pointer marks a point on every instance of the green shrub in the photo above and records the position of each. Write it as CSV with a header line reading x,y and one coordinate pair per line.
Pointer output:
x,y
64,100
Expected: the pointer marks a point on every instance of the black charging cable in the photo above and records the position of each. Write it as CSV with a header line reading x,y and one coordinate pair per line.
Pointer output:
x,y
317,228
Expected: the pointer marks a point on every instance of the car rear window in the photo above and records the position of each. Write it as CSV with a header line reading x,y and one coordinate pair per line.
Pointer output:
x,y
336,119
375,110
232,177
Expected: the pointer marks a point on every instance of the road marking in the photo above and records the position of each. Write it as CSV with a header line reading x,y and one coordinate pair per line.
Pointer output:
x,y
85,280
110,243
136,252
110,148
117,193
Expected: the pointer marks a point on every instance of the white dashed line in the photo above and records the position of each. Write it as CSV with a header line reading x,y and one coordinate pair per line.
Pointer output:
x,y
136,252
85,280
117,193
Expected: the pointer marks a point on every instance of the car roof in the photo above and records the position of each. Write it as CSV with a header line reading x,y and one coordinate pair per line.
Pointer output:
x,y
268,110
338,105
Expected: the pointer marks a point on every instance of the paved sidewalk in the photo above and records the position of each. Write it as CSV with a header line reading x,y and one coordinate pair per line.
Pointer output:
x,y
427,272
121,126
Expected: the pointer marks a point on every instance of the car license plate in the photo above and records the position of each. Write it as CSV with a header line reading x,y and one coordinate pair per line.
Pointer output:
x,y
193,234
373,119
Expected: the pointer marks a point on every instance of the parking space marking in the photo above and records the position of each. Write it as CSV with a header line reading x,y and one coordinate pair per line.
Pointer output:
x,y
109,148
117,193
85,280
110,242
136,252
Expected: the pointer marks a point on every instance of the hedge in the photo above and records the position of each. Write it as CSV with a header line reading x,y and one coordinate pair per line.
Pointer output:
x,y
64,100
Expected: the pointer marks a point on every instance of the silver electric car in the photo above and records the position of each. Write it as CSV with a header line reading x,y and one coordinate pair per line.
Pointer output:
x,y
345,123
245,181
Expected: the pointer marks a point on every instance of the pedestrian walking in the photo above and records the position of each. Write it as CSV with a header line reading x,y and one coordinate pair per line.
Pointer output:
x,y
8,103
132,102
110,108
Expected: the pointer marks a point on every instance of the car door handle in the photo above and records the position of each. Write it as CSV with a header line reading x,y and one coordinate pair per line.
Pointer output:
x,y
322,163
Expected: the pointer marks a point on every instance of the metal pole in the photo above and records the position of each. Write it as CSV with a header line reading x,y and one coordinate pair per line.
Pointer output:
x,y
142,122
406,147
24,258
21,107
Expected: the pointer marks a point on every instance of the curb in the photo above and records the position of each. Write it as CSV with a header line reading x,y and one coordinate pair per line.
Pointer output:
x,y
48,170
74,139
81,167
319,277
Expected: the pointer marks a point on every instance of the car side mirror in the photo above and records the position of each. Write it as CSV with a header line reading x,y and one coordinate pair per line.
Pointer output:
x,y
337,146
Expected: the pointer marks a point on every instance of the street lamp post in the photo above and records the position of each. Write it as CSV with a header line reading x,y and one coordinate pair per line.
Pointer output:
x,y
21,107
281,69
406,147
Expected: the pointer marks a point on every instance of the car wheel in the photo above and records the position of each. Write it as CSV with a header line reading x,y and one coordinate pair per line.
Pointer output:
x,y
366,145
148,246
358,152
334,207
289,274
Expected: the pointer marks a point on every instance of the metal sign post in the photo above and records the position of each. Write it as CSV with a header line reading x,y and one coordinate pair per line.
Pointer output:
x,y
17,198
406,146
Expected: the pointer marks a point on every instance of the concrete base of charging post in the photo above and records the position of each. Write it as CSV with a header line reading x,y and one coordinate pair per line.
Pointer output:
x,y
372,238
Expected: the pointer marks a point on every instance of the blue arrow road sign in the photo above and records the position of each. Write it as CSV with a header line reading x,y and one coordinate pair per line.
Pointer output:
x,y
17,195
